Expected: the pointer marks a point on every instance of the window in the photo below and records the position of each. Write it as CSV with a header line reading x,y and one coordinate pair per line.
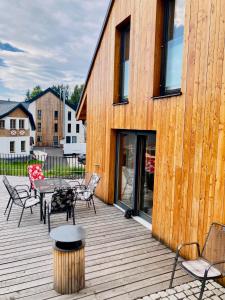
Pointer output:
x,y
12,147
39,114
55,140
39,127
39,138
56,114
122,55
74,139
56,127
21,124
69,115
12,124
2,124
23,146
172,52
77,128
69,127
68,139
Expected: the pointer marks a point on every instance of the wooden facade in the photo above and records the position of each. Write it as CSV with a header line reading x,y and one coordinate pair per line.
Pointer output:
x,y
189,191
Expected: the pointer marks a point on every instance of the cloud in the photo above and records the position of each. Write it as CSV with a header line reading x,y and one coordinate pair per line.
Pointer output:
x,y
55,42
9,47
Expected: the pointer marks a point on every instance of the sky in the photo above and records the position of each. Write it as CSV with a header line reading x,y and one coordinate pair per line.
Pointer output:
x,y
46,42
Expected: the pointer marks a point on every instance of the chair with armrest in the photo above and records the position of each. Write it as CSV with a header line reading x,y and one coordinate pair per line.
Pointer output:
x,y
210,263
86,192
22,189
35,173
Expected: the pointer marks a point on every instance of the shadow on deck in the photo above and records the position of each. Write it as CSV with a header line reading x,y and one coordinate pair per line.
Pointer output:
x,y
123,261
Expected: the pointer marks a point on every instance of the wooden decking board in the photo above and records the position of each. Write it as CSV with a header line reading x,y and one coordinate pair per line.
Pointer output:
x,y
123,260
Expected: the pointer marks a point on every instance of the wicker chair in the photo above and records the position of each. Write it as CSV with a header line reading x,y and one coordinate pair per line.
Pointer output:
x,y
210,263
62,201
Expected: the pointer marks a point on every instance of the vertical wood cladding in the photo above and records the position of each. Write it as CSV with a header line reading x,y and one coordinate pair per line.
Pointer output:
x,y
48,104
189,188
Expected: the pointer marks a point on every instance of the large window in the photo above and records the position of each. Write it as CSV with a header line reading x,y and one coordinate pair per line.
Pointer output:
x,y
2,124
172,46
21,124
122,56
23,146
12,124
12,147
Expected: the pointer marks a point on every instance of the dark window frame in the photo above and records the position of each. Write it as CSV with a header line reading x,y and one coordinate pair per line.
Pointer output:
x,y
56,115
39,114
23,124
12,143
68,139
163,91
23,148
69,128
12,121
2,124
39,139
69,115
74,139
55,127
77,128
39,127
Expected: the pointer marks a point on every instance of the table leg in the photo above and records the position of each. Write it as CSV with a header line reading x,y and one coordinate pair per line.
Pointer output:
x,y
41,206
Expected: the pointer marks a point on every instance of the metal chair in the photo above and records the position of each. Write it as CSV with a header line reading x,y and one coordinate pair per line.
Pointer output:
x,y
35,173
86,192
22,189
24,202
62,201
210,263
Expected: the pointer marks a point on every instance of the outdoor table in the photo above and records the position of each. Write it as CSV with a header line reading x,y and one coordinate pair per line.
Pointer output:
x,y
46,186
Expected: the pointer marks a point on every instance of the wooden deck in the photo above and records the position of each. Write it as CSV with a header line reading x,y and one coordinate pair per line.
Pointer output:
x,y
123,261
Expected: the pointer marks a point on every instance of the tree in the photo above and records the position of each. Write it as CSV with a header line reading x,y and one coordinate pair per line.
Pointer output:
x,y
36,90
61,87
75,97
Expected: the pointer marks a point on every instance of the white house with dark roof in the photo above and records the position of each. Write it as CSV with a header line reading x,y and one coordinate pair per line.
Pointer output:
x,y
16,127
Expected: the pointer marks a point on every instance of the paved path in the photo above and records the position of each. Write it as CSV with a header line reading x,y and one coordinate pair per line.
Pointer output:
x,y
190,291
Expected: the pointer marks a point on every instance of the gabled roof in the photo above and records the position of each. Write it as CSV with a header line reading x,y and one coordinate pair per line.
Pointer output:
x,y
50,90
6,107
96,50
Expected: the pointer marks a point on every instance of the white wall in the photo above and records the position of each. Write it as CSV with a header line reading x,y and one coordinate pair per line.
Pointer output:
x,y
32,110
5,144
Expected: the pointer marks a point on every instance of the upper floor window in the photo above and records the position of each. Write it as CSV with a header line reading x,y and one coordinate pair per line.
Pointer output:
x,y
21,124
56,127
39,114
12,123
56,114
122,65
69,115
2,124
39,127
172,46
69,127
77,128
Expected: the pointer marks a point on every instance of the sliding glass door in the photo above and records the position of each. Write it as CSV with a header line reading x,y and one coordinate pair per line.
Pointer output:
x,y
135,166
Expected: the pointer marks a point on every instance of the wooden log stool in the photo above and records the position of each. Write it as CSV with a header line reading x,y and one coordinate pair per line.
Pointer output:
x,y
68,258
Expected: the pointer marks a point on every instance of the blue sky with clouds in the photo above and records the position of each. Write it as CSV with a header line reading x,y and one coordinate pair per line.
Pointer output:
x,y
46,42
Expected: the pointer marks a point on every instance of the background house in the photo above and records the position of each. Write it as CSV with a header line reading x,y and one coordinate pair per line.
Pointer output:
x,y
154,104
16,128
48,111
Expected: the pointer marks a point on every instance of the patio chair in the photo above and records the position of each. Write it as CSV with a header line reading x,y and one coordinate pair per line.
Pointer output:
x,y
62,201
35,173
27,201
86,192
22,189
210,263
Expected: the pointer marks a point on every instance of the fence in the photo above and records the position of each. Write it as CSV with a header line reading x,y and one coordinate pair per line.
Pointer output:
x,y
52,166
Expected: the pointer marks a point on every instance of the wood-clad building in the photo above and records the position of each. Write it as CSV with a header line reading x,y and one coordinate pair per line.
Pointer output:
x,y
154,101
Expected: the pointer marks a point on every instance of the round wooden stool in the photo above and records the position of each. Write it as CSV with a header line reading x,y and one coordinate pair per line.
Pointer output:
x,y
68,258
